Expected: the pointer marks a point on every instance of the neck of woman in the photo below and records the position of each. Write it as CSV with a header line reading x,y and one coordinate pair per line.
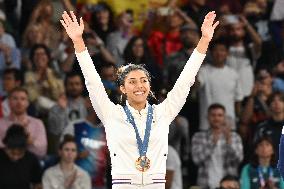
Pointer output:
x,y
66,167
264,161
137,106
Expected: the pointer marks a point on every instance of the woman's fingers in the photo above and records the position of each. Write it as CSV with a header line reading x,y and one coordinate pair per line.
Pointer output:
x,y
63,24
81,23
73,16
65,18
209,19
216,24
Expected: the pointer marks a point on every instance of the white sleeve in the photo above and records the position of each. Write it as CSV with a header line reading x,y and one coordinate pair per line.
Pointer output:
x,y
176,98
99,98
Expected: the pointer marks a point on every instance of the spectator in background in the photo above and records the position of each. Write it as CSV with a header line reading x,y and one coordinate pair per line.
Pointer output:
x,y
69,107
108,75
273,126
43,85
18,14
137,52
189,36
6,38
278,73
117,40
224,7
19,167
174,171
179,137
218,151
42,16
12,78
97,49
261,172
166,40
229,182
66,174
256,109
214,88
18,101
102,20
90,138
243,53
32,36
196,10
258,14
10,56
96,46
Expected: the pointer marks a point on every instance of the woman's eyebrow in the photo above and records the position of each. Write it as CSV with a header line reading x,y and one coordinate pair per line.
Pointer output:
x,y
137,78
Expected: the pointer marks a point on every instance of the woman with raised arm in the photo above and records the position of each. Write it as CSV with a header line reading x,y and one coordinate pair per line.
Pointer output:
x,y
137,132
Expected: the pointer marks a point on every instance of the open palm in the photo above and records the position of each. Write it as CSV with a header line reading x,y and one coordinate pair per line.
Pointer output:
x,y
73,28
208,25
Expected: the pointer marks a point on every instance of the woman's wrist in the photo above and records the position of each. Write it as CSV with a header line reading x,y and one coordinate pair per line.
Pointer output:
x,y
79,45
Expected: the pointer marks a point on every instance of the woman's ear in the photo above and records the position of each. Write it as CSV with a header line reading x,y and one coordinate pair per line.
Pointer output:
x,y
122,89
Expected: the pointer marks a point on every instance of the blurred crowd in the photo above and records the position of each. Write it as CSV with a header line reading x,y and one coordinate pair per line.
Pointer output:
x,y
227,134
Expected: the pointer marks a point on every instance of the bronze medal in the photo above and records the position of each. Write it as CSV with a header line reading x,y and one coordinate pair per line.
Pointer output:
x,y
142,164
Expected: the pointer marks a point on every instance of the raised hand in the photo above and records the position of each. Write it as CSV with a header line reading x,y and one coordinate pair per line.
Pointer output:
x,y
73,28
208,26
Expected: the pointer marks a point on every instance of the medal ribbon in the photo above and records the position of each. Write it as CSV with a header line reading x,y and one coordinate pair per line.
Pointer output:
x,y
142,145
261,177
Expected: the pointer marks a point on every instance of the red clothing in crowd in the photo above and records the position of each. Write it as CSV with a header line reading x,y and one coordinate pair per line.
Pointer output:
x,y
162,44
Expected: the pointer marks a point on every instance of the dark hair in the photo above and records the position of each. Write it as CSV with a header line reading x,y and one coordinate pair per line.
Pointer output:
x,y
38,46
230,178
274,95
71,75
67,138
96,24
219,41
16,137
18,89
107,65
263,68
254,158
16,73
122,73
216,106
128,52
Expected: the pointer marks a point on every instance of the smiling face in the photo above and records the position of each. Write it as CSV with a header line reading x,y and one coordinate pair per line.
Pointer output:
x,y
40,59
136,87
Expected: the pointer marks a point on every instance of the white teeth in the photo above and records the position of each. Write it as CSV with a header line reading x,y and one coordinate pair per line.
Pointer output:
x,y
139,93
